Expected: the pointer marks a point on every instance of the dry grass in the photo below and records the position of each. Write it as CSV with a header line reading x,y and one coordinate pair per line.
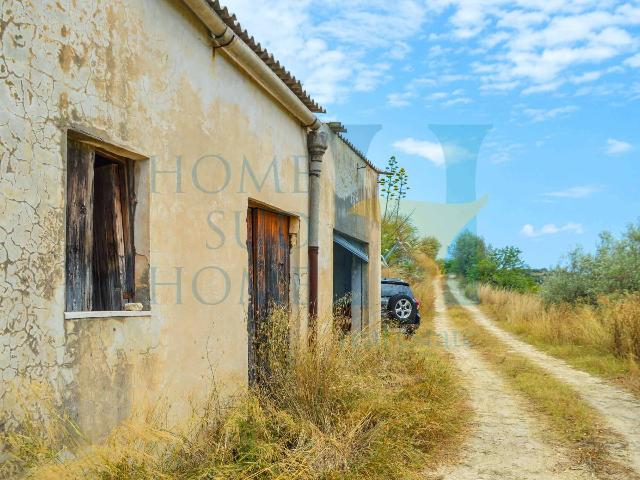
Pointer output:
x,y
422,267
570,421
602,339
348,409
423,290
422,286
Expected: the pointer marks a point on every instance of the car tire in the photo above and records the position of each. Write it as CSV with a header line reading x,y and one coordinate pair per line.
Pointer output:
x,y
402,309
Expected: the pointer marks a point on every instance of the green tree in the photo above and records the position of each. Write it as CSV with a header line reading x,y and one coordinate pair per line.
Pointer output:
x,y
478,262
466,253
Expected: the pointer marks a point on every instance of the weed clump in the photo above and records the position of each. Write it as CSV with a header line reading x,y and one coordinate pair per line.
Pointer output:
x,y
348,408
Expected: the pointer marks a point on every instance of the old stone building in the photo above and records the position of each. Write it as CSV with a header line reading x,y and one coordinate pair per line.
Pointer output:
x,y
152,153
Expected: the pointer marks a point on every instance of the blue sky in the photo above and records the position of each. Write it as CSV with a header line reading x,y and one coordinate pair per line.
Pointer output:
x,y
558,81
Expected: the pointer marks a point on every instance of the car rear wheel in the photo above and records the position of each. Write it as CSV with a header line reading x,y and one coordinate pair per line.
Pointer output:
x,y
401,308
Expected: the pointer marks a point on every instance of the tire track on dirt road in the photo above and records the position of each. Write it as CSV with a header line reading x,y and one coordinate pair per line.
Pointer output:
x,y
506,441
619,409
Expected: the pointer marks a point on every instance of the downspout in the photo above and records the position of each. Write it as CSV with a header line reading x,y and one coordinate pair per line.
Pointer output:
x,y
317,145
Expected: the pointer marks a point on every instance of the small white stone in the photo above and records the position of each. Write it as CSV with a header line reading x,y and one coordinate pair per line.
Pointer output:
x,y
133,307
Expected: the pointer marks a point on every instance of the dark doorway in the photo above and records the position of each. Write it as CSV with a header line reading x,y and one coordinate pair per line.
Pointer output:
x,y
342,260
269,260
349,282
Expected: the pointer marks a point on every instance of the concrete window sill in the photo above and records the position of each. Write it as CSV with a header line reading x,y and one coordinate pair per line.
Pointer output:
x,y
105,314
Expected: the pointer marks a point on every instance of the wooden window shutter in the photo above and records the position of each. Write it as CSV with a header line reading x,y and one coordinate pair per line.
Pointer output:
x,y
109,266
79,235
128,199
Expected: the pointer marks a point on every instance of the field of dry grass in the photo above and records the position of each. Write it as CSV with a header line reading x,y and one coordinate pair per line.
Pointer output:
x,y
602,339
348,409
569,420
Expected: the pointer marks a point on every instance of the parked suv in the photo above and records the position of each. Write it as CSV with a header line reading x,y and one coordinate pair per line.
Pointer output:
x,y
400,308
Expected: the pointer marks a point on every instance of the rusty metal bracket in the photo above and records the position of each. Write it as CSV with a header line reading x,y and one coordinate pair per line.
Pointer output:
x,y
217,38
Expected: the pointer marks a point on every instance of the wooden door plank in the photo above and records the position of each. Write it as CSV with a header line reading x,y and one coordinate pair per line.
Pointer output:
x,y
128,204
283,263
79,228
271,254
251,331
260,262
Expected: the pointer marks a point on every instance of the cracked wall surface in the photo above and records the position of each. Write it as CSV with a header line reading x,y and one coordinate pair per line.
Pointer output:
x,y
139,75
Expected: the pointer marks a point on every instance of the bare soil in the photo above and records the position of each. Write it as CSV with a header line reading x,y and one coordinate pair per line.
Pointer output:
x,y
506,442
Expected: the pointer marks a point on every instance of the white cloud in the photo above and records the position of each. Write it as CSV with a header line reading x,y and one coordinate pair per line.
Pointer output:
x,y
538,115
633,61
530,231
575,192
438,95
400,50
587,77
542,45
543,87
500,150
402,99
536,46
457,101
329,44
617,147
412,91
431,151
368,79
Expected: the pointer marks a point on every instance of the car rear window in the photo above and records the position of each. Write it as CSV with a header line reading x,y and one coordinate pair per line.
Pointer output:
x,y
390,289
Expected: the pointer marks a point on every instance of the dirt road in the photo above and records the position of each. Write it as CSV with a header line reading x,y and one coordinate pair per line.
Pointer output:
x,y
506,442
619,409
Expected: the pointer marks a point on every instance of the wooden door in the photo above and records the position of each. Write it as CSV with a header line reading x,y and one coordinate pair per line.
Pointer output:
x,y
269,261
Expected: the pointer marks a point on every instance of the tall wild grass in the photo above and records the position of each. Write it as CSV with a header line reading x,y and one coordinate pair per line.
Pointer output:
x,y
349,408
607,332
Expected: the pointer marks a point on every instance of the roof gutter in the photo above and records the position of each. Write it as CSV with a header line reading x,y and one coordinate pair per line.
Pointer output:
x,y
238,51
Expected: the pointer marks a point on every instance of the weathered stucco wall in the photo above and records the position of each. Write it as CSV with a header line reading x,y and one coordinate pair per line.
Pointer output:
x,y
141,75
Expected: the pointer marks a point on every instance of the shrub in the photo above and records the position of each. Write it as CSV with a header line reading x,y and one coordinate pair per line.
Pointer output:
x,y
466,253
429,246
471,292
614,268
